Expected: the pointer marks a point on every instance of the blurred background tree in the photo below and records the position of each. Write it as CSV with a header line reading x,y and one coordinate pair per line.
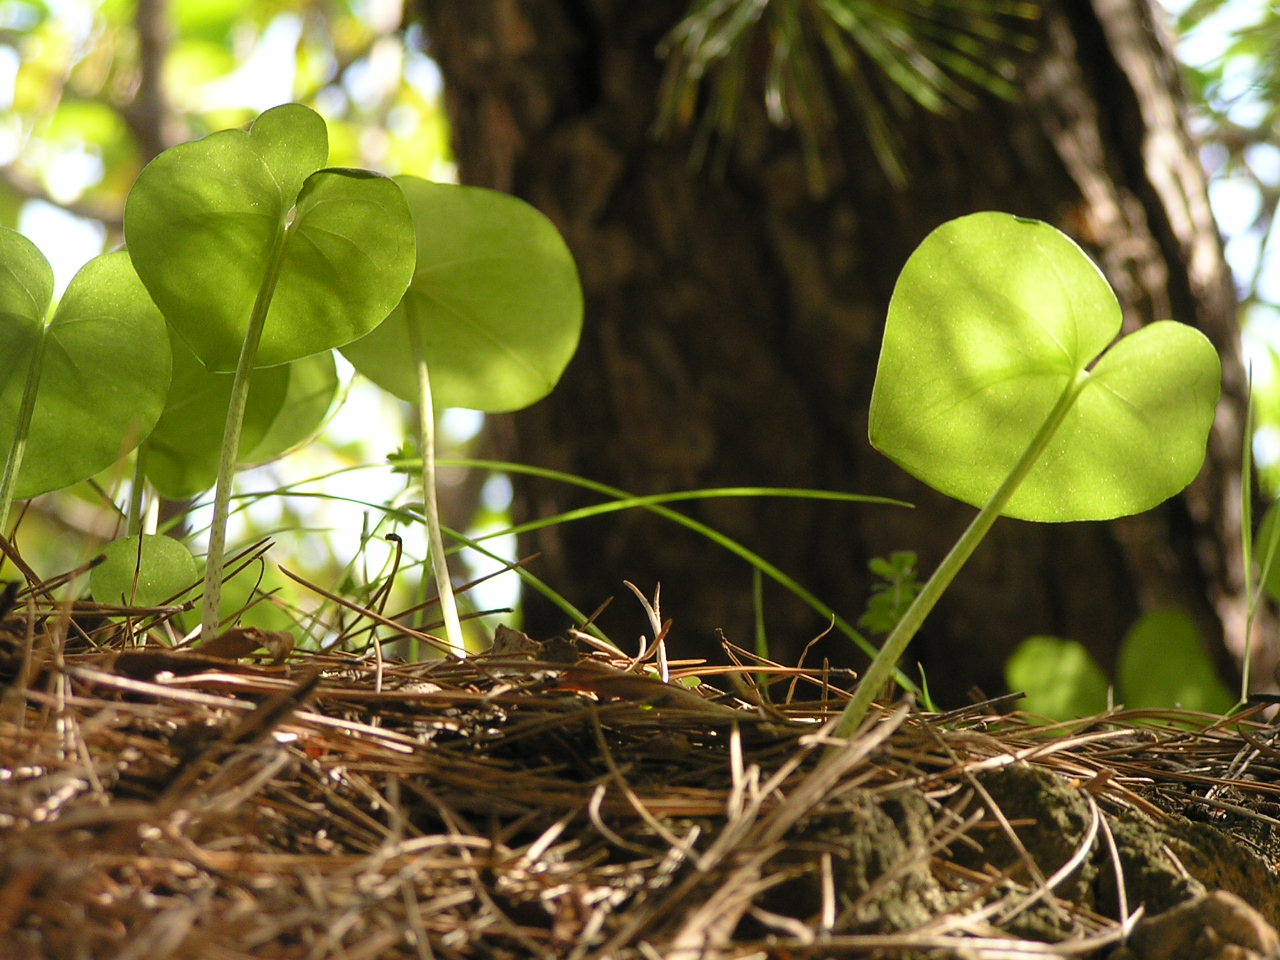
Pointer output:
x,y
742,181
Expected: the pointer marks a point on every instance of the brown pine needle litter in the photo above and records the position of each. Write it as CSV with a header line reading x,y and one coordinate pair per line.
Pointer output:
x,y
556,800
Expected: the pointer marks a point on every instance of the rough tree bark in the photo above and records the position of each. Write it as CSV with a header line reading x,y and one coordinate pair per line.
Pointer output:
x,y
733,325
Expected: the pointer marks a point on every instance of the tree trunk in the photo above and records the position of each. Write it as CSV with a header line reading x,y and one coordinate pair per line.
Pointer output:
x,y
733,326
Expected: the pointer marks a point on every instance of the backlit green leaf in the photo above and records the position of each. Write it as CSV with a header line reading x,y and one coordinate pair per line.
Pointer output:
x,y
216,224
144,571
347,261
995,319
309,396
181,454
26,285
495,297
287,404
1060,678
1163,663
102,376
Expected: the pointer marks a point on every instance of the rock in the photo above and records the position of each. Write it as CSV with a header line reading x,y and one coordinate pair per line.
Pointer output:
x,y
1212,926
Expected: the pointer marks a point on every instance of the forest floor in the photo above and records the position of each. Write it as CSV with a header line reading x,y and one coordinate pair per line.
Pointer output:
x,y
560,800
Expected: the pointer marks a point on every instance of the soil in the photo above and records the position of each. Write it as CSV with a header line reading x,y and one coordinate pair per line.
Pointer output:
x,y
560,800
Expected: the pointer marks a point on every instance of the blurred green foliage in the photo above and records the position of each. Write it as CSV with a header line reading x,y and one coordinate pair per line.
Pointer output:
x,y
1162,662
893,592
90,91
77,126
1231,51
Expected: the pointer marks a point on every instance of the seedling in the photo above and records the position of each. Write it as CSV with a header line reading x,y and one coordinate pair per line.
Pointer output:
x,y
258,255
180,457
82,387
262,260
1162,662
81,390
490,320
999,384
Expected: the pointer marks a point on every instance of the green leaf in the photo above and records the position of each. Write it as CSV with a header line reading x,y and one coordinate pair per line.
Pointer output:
x,y
495,297
26,289
146,571
1060,678
203,221
102,375
312,383
26,286
1163,663
292,141
347,261
182,452
287,404
215,224
890,598
26,292
995,320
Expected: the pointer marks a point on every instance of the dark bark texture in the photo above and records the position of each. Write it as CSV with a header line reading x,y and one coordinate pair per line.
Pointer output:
x,y
734,318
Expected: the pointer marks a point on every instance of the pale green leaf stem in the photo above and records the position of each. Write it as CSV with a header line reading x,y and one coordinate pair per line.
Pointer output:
x,y
435,540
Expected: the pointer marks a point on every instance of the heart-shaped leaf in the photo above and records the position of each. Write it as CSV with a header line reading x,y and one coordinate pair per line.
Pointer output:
x,y
1060,678
495,299
310,390
1162,662
995,322
287,404
217,225
101,365
182,452
26,286
145,571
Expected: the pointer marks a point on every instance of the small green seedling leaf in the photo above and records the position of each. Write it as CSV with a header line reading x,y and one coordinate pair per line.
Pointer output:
x,y
1060,678
309,397
495,299
257,257
993,387
216,224
995,320
1163,663
98,368
286,405
143,571
489,322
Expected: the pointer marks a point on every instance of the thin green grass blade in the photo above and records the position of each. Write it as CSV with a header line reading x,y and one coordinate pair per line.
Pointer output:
x,y
576,615
654,505
625,502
